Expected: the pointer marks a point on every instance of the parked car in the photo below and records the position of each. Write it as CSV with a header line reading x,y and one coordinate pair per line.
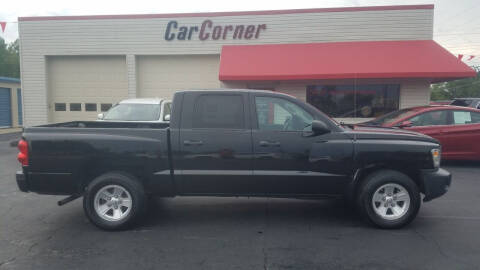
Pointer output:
x,y
139,110
457,128
466,102
232,143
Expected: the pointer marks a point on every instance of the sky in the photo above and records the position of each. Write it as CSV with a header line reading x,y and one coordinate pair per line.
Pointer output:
x,y
456,22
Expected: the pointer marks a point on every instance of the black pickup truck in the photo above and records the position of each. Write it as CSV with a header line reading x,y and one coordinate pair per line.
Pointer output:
x,y
232,143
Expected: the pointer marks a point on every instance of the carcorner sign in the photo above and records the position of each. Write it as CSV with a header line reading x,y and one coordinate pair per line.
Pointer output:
x,y
207,30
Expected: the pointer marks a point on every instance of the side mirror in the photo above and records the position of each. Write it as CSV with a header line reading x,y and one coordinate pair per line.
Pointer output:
x,y
100,116
405,124
166,117
319,127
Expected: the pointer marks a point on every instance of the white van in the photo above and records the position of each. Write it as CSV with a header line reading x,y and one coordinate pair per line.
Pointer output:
x,y
152,110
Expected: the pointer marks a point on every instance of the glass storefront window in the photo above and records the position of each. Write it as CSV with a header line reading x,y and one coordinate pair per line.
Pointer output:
x,y
347,101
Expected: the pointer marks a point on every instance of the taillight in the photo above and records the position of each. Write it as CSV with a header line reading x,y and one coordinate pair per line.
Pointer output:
x,y
23,155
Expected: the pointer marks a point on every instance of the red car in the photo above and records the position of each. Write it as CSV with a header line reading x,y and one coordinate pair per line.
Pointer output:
x,y
457,128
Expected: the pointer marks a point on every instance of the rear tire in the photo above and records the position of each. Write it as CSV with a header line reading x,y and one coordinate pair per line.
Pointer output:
x,y
114,201
389,199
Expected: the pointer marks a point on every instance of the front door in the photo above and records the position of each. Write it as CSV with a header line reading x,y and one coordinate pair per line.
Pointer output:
x,y
215,144
288,159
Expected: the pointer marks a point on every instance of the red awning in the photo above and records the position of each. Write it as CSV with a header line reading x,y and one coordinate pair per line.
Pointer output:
x,y
341,60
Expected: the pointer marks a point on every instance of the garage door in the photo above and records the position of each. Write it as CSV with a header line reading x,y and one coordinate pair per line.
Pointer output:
x,y
161,76
5,108
80,86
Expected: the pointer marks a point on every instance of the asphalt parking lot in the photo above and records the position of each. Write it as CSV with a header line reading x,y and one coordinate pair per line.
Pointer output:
x,y
238,233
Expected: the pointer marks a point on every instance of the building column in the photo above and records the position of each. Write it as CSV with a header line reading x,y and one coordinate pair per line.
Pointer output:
x,y
414,93
34,84
132,76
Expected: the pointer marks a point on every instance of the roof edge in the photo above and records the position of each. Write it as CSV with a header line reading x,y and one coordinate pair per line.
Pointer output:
x,y
9,80
434,76
227,13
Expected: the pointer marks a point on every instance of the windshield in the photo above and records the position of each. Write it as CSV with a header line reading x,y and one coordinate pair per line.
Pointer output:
x,y
391,117
133,112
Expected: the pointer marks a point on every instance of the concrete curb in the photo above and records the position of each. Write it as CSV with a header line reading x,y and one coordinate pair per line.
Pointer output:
x,y
10,130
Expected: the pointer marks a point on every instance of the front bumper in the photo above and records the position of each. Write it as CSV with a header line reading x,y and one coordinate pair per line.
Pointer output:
x,y
435,183
22,181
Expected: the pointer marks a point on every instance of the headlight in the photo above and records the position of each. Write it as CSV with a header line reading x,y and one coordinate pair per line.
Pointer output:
x,y
436,157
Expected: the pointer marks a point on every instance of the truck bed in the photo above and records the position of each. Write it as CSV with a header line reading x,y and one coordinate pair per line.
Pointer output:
x,y
64,155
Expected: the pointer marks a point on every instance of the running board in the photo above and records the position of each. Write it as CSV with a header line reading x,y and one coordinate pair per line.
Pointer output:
x,y
69,199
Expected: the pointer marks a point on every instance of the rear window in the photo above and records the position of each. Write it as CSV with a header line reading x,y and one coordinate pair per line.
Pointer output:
x,y
219,111
133,112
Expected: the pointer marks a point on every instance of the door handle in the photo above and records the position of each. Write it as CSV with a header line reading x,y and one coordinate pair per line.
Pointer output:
x,y
188,142
269,143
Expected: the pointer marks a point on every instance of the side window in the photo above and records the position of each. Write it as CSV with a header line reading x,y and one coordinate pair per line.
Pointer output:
x,y
219,111
281,115
465,117
434,118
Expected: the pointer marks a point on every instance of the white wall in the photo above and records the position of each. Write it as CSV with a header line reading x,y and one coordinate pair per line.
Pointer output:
x,y
414,93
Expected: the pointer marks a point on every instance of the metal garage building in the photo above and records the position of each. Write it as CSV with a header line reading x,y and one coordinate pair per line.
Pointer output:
x,y
10,103
352,63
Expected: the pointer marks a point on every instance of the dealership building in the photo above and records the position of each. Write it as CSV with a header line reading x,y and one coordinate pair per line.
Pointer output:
x,y
353,63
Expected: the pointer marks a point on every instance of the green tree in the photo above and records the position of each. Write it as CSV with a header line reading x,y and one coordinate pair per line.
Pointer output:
x,y
469,87
9,59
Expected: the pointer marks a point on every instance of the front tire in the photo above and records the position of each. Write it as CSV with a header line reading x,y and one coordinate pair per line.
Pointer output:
x,y
389,199
114,201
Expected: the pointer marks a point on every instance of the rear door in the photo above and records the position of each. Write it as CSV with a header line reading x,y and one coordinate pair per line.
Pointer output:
x,y
215,143
462,136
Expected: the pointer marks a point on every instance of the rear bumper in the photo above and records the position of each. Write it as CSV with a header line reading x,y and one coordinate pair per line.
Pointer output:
x,y
46,183
435,183
22,181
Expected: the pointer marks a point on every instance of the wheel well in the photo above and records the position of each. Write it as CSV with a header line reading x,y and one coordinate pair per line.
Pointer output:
x,y
86,176
361,175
